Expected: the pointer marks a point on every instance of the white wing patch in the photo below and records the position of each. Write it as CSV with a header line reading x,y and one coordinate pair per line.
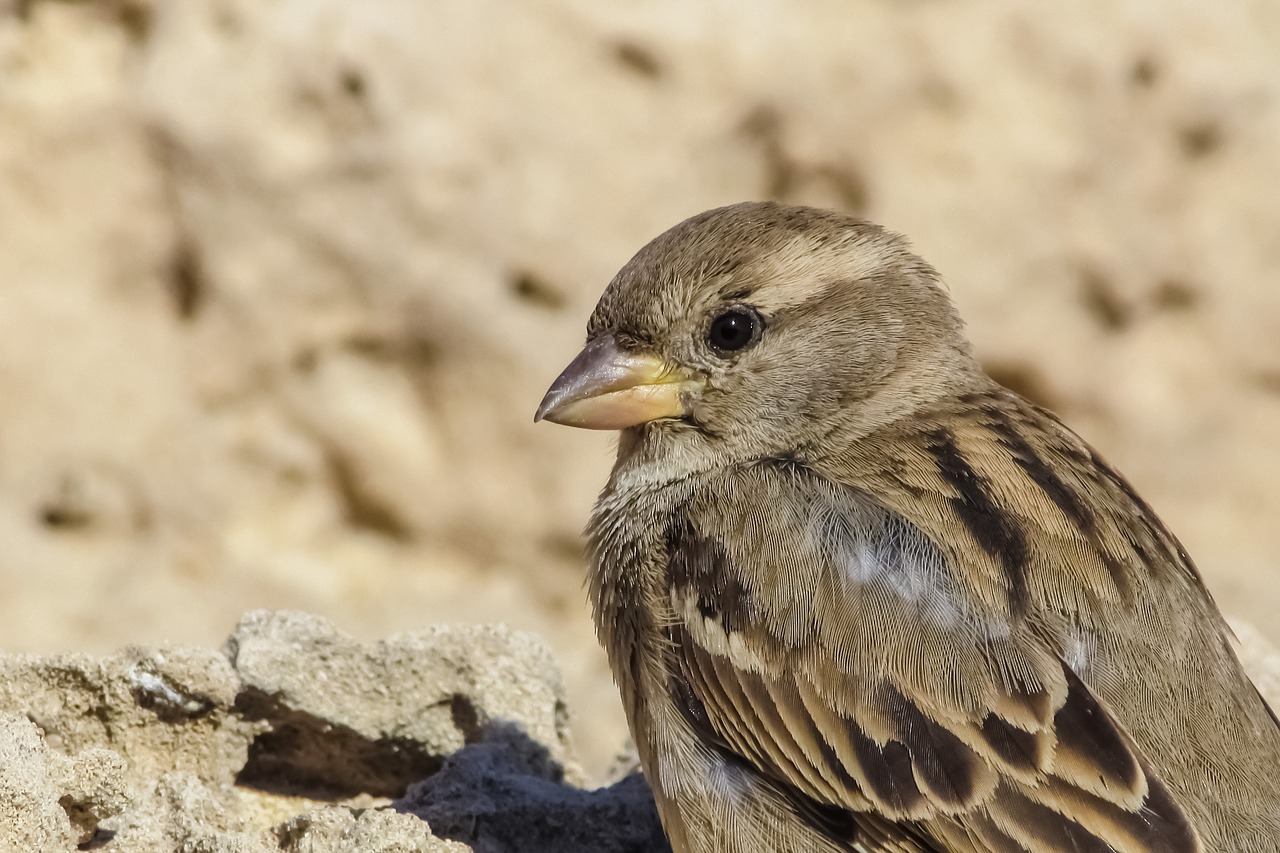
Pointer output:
x,y
1079,651
875,552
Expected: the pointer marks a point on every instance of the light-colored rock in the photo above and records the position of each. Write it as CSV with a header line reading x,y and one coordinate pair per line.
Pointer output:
x,y
294,739
164,709
369,831
49,801
436,689
186,811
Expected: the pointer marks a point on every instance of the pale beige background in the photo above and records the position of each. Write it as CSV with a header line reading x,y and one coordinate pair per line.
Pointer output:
x,y
281,283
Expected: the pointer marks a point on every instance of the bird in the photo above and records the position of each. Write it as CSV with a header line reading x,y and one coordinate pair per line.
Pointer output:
x,y
858,596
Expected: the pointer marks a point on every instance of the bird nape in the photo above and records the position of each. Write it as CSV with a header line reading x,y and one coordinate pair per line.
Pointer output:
x,y
858,596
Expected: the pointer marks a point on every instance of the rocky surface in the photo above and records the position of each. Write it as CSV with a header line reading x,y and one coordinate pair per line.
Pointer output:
x,y
283,282
294,737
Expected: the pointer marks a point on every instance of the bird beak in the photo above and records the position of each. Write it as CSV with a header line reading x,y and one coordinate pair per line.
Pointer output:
x,y
606,387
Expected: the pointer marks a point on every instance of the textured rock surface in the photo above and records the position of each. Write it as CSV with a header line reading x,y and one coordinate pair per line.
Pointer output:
x,y
49,801
298,739
283,282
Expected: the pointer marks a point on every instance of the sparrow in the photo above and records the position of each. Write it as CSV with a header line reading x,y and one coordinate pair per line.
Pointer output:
x,y
857,596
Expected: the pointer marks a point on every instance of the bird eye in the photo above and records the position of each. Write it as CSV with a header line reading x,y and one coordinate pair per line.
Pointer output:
x,y
734,330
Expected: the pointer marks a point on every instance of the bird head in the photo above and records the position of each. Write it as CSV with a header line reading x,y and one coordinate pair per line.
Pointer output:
x,y
757,328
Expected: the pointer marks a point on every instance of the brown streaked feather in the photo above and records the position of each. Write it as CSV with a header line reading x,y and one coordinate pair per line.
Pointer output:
x,y
1126,830
994,531
1020,753
951,773
1092,752
1037,828
1157,651
933,760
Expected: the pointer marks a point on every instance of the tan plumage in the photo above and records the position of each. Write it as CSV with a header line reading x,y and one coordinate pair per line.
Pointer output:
x,y
857,596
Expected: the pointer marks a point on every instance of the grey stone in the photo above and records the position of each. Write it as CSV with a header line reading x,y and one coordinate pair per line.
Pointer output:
x,y
294,739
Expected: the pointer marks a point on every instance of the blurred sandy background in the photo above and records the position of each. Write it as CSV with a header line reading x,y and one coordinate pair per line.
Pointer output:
x,y
282,281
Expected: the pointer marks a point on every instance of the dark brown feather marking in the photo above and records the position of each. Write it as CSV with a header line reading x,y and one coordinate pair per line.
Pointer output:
x,y
1049,831
991,527
1157,825
1165,824
789,461
832,821
795,717
947,767
1063,496
1022,751
1172,553
789,760
837,768
692,709
1043,475
698,566
1086,733
888,771
733,705
837,822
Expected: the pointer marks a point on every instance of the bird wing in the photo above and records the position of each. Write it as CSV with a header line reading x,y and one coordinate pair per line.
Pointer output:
x,y
891,689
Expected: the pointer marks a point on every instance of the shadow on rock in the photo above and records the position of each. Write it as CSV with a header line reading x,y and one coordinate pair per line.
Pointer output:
x,y
505,794
304,755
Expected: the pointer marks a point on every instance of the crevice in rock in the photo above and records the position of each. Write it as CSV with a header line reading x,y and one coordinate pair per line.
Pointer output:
x,y
186,279
638,59
1175,294
171,703
1145,72
789,178
1102,300
1199,139
532,288
465,717
101,838
304,755
362,508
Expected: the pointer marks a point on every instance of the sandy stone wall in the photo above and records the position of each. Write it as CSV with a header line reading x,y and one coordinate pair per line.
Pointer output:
x,y
281,283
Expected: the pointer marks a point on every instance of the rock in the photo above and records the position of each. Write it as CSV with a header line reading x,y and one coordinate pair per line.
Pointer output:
x,y
366,830
375,717
49,801
161,710
187,811
283,282
294,738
